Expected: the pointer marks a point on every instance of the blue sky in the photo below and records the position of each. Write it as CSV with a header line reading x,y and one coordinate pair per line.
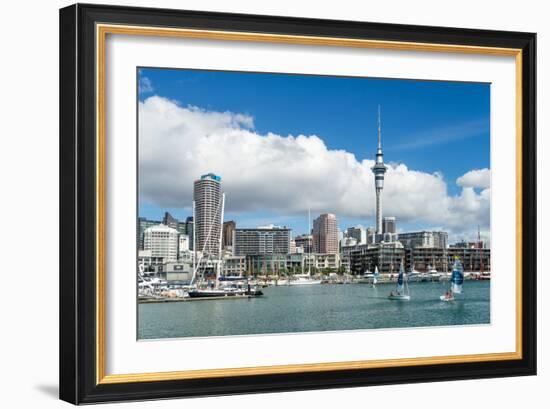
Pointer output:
x,y
431,126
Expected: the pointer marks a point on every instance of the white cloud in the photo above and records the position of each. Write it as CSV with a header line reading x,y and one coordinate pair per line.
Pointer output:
x,y
284,174
145,86
480,178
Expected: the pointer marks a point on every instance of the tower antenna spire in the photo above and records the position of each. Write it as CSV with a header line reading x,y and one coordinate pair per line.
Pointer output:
x,y
379,130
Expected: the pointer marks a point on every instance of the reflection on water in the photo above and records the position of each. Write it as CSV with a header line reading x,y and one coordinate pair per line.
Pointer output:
x,y
316,308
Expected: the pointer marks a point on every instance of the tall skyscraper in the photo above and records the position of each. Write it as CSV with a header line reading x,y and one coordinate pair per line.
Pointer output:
x,y
379,169
389,225
207,194
189,226
325,234
228,231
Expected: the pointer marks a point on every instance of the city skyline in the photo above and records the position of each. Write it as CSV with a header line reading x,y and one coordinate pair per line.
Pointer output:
x,y
215,129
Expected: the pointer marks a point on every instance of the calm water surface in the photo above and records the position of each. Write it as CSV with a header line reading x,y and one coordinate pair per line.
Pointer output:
x,y
316,308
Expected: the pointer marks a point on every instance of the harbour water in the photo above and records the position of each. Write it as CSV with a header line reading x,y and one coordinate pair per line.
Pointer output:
x,y
308,308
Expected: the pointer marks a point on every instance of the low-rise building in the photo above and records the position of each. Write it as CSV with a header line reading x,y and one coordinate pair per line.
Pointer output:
x,y
162,241
386,256
175,272
148,261
438,239
234,266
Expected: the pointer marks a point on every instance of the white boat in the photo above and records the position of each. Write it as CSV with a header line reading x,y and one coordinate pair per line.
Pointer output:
x,y
457,279
401,292
414,275
303,279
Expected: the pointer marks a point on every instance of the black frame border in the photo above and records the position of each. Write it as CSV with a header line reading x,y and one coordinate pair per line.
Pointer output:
x,y
77,255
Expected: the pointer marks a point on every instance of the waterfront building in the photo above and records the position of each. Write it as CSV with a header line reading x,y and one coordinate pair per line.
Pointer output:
x,y
266,264
379,169
472,258
149,262
359,233
144,223
425,258
438,239
234,266
325,234
227,234
207,194
183,246
386,256
468,244
304,242
175,272
422,259
186,256
295,263
326,262
161,241
347,245
261,240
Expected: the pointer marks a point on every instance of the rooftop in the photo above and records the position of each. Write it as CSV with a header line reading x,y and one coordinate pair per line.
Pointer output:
x,y
211,176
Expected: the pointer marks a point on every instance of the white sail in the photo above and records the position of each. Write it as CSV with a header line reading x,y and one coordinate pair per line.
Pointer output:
x,y
400,280
457,277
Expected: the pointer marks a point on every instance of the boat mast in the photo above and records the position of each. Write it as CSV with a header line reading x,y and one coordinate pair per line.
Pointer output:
x,y
194,247
479,250
221,235
310,245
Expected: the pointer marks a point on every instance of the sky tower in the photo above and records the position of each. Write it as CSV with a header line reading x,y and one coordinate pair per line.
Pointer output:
x,y
379,169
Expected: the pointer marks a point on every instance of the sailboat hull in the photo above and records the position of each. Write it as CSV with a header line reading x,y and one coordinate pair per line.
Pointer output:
x,y
304,282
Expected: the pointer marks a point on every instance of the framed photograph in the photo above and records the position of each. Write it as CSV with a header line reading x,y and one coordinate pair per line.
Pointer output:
x,y
257,203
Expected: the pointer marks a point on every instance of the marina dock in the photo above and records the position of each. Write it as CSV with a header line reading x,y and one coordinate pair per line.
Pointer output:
x,y
185,299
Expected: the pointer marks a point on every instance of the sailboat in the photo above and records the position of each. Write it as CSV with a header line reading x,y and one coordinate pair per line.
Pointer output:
x,y
457,279
306,279
401,292
375,276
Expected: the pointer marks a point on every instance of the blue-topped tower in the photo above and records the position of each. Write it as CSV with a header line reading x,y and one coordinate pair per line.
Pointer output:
x,y
379,169
208,214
